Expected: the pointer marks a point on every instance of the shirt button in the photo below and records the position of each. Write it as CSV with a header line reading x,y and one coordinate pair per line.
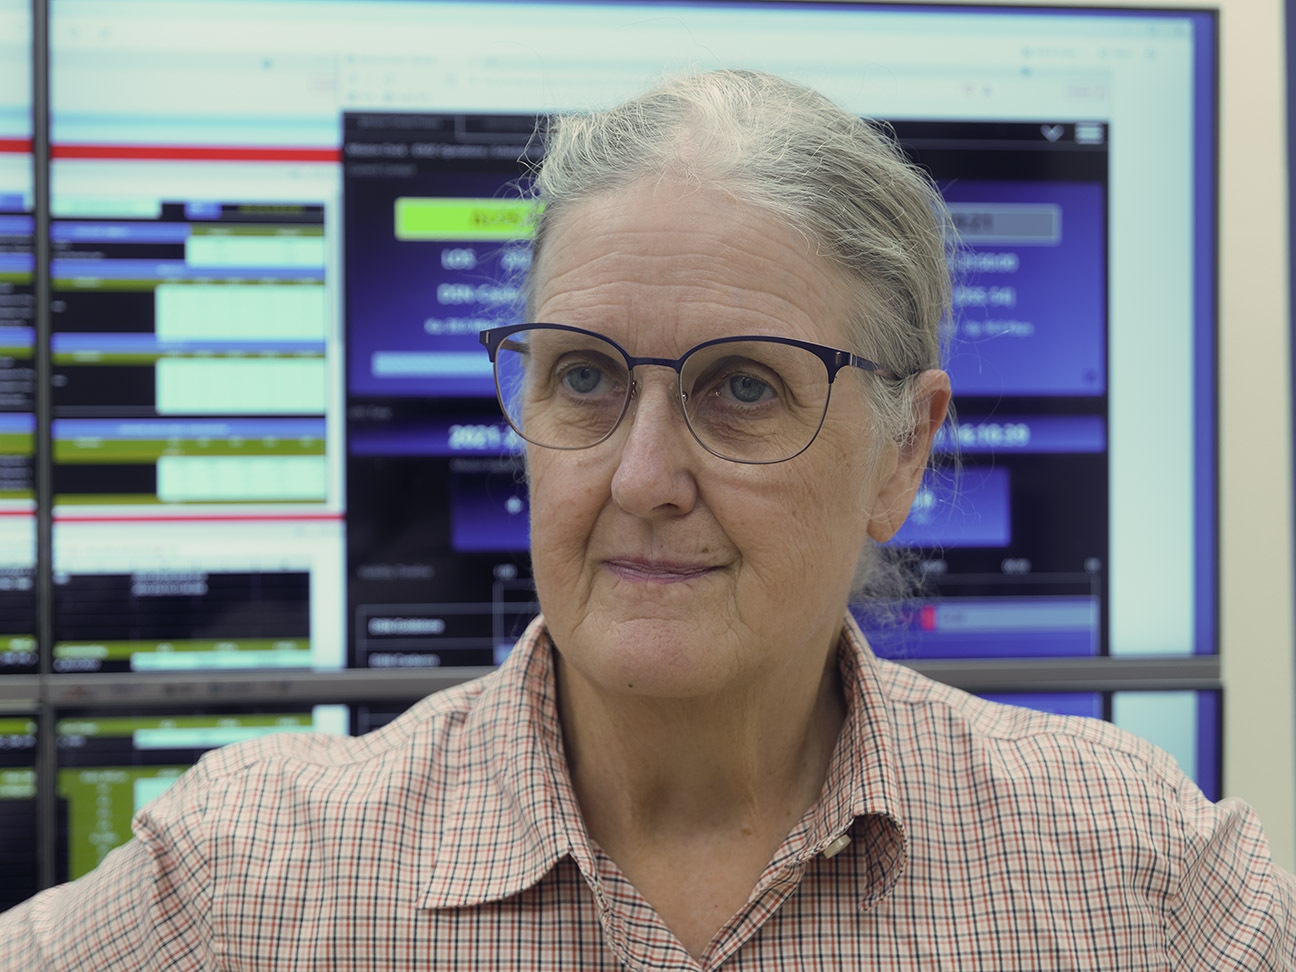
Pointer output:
x,y
835,846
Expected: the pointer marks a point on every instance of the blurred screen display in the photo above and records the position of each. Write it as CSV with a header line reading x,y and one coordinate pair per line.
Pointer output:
x,y
274,437
20,875
17,345
112,763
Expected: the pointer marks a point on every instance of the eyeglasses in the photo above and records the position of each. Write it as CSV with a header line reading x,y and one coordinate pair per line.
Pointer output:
x,y
751,399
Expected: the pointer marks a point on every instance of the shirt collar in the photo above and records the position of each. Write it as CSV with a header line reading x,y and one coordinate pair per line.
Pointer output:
x,y
510,813
862,788
510,810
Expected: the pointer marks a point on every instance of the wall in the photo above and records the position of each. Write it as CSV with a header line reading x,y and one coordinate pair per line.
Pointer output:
x,y
1256,436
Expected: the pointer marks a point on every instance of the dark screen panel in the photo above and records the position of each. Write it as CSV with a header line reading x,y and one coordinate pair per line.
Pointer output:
x,y
433,255
20,873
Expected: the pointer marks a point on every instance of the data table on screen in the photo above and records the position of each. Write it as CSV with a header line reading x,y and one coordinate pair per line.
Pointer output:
x,y
195,450
110,764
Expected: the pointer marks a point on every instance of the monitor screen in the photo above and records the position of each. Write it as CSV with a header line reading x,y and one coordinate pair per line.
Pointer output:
x,y
20,875
111,763
432,257
274,437
17,343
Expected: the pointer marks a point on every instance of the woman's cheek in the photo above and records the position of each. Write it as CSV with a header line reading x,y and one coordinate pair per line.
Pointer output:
x,y
562,521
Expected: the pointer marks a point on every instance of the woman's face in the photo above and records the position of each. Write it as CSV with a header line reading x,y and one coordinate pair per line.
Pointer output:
x,y
663,570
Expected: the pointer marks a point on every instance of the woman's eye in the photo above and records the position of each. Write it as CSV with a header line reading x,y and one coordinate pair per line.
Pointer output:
x,y
582,379
747,390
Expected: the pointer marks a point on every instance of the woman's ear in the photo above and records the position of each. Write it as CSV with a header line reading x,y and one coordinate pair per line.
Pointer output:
x,y
896,493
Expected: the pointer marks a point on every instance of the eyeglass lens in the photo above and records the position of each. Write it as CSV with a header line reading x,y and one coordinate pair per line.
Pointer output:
x,y
749,401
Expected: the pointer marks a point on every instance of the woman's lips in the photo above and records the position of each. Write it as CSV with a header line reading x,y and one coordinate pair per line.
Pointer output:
x,y
656,571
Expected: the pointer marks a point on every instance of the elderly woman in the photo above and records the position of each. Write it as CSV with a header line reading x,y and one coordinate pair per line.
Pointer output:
x,y
693,760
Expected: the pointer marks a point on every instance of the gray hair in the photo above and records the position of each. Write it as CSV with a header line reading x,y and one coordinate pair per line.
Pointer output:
x,y
840,181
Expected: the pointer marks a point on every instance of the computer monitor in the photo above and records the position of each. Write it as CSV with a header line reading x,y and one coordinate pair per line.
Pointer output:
x,y
274,443
17,342
432,256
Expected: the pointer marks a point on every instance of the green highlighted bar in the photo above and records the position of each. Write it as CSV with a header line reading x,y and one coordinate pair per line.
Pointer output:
x,y
466,220
16,443
105,499
101,803
152,358
140,284
151,499
17,784
125,727
100,283
253,229
16,643
17,726
270,210
90,450
17,278
124,650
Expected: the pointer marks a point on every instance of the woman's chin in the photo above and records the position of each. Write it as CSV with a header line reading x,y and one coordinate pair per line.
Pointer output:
x,y
652,658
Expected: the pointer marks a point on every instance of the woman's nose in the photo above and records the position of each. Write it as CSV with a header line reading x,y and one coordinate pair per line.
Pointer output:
x,y
655,469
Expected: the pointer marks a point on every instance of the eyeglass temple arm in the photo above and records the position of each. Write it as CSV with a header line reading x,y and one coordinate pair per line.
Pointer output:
x,y
504,344
845,358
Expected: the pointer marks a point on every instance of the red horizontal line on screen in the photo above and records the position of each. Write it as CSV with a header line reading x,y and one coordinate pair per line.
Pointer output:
x,y
199,153
212,518
15,144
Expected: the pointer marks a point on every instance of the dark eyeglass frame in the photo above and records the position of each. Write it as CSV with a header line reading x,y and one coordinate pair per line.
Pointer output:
x,y
834,360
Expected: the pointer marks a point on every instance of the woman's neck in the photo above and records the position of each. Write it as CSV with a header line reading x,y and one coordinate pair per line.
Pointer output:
x,y
691,798
650,769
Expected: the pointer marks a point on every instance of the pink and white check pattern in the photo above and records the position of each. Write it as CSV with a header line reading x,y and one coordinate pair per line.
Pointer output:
x,y
982,838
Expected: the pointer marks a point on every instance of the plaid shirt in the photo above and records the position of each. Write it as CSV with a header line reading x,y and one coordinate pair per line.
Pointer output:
x,y
981,837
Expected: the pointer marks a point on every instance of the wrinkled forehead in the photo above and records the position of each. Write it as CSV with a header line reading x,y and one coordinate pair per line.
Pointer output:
x,y
675,265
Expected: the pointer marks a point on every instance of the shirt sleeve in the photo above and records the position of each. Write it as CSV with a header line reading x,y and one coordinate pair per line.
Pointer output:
x,y
1234,908
146,907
